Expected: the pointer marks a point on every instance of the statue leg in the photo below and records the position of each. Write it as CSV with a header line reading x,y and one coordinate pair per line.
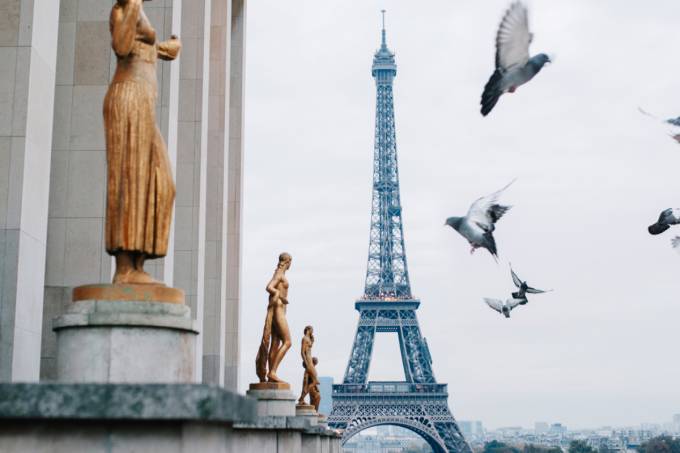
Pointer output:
x,y
141,276
314,397
125,267
273,352
280,327
301,400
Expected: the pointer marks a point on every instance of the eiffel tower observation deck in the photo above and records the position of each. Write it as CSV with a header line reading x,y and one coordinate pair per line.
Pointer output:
x,y
418,403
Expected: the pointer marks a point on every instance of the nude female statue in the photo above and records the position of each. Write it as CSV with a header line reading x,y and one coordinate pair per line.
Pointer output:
x,y
140,189
275,335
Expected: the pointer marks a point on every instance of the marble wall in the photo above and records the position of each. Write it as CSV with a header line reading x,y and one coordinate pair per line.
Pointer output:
x,y
53,170
28,54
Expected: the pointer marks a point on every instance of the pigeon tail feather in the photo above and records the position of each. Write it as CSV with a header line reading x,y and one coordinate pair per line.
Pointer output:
x,y
490,245
492,92
657,228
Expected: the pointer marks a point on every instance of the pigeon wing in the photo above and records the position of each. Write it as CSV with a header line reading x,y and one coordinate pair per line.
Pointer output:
x,y
531,290
674,121
495,304
513,38
675,242
485,211
515,278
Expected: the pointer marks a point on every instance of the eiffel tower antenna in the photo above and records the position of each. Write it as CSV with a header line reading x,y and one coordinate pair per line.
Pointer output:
x,y
418,403
384,40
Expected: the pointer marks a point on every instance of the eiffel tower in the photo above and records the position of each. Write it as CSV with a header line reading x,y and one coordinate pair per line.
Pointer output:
x,y
419,403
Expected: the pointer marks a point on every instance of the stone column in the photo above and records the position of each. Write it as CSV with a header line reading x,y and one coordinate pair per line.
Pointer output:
x,y
192,144
77,206
222,241
235,178
216,195
28,49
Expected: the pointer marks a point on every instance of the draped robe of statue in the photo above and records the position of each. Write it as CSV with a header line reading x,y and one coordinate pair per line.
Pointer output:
x,y
141,191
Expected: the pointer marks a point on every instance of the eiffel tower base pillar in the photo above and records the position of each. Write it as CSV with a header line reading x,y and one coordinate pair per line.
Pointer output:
x,y
273,399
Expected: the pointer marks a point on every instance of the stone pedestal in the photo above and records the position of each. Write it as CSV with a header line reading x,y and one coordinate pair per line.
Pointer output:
x,y
273,399
307,411
131,340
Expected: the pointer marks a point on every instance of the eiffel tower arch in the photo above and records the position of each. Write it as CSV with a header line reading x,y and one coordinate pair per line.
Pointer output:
x,y
418,403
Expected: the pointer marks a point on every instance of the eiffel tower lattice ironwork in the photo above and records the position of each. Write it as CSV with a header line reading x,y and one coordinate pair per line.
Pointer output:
x,y
419,403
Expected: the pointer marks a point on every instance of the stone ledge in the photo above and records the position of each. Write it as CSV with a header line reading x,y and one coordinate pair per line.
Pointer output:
x,y
191,402
293,423
276,395
126,313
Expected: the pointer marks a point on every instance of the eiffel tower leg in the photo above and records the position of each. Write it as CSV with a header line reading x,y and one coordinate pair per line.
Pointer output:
x,y
452,437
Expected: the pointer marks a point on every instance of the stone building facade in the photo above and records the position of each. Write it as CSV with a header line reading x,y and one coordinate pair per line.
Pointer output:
x,y
55,66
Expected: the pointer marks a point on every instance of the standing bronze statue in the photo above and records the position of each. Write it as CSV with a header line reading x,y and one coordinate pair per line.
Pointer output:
x,y
275,335
141,191
310,381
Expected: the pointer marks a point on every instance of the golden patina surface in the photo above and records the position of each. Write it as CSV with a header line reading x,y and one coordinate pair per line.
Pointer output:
x,y
140,188
275,335
129,292
310,381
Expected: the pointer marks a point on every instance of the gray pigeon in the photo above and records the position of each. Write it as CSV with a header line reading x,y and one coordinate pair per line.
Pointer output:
x,y
668,217
503,308
479,223
514,67
523,287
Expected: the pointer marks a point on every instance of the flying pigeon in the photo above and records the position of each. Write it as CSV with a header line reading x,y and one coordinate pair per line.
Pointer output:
x,y
479,223
668,217
524,289
672,121
503,308
514,67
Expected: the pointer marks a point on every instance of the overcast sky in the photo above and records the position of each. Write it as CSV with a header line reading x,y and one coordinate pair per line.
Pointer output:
x,y
593,173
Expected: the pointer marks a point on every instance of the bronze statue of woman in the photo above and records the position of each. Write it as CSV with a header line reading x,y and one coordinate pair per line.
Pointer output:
x,y
141,191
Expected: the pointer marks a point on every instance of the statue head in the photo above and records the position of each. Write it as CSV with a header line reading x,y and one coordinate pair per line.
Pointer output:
x,y
284,261
309,329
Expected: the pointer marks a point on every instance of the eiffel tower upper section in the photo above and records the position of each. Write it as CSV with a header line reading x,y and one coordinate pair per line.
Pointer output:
x,y
387,271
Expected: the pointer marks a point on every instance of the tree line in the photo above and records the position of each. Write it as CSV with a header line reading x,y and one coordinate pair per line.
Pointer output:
x,y
661,444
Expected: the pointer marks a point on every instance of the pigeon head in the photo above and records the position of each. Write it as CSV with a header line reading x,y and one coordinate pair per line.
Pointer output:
x,y
454,222
538,61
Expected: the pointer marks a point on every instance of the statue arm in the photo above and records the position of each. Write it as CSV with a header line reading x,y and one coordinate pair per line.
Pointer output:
x,y
124,26
169,50
271,287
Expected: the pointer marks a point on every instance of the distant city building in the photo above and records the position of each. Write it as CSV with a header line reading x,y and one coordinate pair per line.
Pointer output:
x,y
385,439
676,424
471,428
326,390
541,427
558,428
